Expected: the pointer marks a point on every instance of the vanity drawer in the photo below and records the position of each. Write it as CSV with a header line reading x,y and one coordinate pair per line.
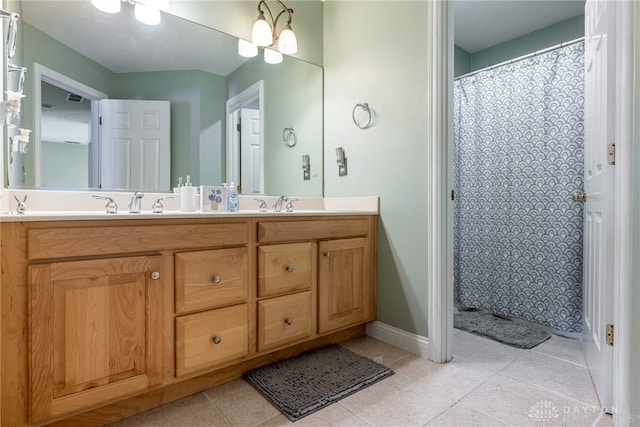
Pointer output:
x,y
205,340
65,242
209,279
282,320
329,228
285,268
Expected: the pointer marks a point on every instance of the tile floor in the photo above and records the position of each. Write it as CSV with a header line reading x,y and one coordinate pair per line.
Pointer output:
x,y
486,384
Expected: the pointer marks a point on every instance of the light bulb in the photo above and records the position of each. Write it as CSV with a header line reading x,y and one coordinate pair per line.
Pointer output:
x,y
261,35
272,56
247,49
108,6
287,42
147,14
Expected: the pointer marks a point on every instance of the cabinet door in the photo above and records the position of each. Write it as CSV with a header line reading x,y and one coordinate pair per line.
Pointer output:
x,y
283,320
343,283
285,268
95,333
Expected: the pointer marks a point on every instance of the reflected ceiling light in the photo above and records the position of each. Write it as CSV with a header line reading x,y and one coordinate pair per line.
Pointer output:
x,y
264,33
145,11
247,49
272,56
147,14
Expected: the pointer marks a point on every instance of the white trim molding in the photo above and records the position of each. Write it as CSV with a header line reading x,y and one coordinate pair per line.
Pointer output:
x,y
407,341
440,224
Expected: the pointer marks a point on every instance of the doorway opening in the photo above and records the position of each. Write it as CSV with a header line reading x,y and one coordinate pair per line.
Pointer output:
x,y
245,140
65,124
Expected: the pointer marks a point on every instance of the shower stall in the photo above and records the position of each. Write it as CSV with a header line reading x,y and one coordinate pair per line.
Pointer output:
x,y
519,135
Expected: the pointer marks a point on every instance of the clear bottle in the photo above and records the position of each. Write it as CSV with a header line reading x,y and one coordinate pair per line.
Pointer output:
x,y
232,198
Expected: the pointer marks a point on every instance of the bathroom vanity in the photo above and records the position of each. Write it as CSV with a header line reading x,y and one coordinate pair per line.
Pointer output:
x,y
104,318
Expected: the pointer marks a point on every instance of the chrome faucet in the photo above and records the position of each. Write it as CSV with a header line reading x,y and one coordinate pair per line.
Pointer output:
x,y
135,205
277,207
111,207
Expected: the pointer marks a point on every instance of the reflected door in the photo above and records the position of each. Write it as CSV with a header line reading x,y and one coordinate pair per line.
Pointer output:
x,y
135,147
250,168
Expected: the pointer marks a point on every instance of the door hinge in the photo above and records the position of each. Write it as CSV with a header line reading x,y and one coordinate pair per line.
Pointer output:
x,y
238,127
100,121
611,154
453,195
609,338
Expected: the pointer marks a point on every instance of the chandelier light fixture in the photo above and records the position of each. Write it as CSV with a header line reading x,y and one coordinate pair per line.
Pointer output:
x,y
264,34
145,11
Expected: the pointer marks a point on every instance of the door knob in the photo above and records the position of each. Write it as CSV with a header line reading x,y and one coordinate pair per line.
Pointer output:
x,y
579,196
155,275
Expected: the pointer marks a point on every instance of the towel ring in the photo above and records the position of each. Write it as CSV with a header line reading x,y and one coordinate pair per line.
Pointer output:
x,y
289,137
367,110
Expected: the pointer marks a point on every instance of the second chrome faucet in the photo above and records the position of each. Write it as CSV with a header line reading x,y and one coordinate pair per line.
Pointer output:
x,y
135,205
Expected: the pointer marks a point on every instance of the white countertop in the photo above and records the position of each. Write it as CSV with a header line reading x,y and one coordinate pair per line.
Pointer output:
x,y
67,206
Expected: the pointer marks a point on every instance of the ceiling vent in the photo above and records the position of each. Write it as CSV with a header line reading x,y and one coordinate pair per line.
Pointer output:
x,y
72,97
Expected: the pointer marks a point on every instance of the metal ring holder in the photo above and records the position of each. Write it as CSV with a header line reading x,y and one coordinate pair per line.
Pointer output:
x,y
365,107
289,137
12,34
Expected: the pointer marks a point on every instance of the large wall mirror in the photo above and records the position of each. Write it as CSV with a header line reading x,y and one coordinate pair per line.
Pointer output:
x,y
77,55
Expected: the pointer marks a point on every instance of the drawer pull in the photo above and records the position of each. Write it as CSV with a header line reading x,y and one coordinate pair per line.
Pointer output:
x,y
290,268
288,321
327,254
216,340
216,279
155,275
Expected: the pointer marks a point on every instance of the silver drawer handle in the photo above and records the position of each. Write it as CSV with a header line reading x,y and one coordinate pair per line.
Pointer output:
x,y
288,321
155,275
216,279
216,340
327,254
290,268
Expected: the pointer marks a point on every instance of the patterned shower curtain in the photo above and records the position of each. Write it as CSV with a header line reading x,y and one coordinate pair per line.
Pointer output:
x,y
518,159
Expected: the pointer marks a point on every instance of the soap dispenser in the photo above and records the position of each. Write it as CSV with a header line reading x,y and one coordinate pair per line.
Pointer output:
x,y
188,196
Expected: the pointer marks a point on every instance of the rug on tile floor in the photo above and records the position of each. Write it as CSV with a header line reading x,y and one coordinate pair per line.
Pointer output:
x,y
500,329
306,383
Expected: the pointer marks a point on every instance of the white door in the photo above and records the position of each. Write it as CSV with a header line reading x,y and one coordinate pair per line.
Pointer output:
x,y
135,150
250,168
599,181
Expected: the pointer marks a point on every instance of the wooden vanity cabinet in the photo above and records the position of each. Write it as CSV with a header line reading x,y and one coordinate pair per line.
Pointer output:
x,y
102,319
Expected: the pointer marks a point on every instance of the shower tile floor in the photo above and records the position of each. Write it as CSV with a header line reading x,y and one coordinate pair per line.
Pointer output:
x,y
486,384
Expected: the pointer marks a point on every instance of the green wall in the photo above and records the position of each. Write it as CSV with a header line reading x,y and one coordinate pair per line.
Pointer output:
x,y
388,69
552,35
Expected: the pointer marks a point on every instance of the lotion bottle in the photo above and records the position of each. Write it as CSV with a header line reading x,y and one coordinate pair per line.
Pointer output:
x,y
188,197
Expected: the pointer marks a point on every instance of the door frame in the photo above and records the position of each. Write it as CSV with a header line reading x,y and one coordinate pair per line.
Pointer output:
x,y
440,212
233,104
42,73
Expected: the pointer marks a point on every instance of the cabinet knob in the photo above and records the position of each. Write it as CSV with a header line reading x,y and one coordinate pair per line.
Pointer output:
x,y
216,279
327,254
290,268
155,275
288,321
216,340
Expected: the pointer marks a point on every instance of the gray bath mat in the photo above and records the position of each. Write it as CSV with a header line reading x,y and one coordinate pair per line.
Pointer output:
x,y
506,331
306,383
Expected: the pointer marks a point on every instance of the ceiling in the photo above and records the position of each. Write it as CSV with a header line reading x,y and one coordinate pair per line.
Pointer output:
x,y
122,44
480,24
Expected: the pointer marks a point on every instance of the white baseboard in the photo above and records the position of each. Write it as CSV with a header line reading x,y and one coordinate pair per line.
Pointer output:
x,y
407,341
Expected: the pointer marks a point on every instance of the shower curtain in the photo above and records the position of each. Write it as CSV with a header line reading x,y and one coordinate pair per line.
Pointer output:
x,y
518,158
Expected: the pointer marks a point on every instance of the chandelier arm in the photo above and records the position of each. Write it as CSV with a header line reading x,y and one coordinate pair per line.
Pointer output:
x,y
270,21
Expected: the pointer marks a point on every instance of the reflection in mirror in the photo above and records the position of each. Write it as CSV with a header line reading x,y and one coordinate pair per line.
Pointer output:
x,y
195,68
